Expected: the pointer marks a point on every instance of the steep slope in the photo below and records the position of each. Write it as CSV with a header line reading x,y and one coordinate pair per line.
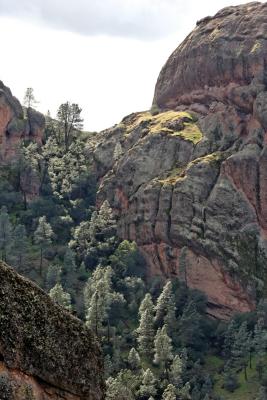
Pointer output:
x,y
45,352
194,175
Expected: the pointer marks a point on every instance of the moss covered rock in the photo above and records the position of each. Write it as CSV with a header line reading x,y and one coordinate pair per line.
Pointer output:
x,y
40,339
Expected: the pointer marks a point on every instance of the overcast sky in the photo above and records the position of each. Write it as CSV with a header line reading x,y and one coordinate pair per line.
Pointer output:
x,y
104,55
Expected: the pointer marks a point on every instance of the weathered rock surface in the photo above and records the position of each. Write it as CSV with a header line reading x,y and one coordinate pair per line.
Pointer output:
x,y
14,127
45,352
194,176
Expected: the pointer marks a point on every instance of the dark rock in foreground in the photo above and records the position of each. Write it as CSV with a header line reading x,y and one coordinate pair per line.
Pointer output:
x,y
44,349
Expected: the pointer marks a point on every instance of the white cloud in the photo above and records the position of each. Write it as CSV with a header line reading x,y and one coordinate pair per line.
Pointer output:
x,y
146,19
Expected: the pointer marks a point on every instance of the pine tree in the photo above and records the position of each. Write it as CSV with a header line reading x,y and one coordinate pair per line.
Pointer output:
x,y
190,332
163,348
229,338
60,296
145,331
108,366
117,390
148,386
176,371
99,296
29,98
20,244
169,393
69,122
184,392
43,237
241,347
53,275
5,234
134,359
69,268
260,345
165,308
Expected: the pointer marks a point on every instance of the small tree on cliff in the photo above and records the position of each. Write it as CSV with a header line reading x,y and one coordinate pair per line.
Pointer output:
x,y
69,122
29,98
43,237
5,234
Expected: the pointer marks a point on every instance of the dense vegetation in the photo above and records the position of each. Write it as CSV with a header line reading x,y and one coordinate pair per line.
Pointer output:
x,y
156,336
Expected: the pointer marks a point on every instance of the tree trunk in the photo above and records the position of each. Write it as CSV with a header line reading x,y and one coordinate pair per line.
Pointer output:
x,y
245,373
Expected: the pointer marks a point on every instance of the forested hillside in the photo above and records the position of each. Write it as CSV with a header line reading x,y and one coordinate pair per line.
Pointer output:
x,y
157,337
153,232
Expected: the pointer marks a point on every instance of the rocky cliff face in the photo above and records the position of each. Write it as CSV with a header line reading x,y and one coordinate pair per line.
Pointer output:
x,y
190,183
45,352
15,126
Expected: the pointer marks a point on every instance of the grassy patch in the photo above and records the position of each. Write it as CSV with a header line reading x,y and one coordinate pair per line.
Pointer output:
x,y
256,47
172,176
159,124
247,389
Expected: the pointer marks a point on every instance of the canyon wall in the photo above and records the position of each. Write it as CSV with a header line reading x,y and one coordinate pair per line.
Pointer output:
x,y
188,181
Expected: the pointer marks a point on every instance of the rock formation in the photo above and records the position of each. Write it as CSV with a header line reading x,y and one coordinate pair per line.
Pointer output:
x,y
45,352
191,181
15,126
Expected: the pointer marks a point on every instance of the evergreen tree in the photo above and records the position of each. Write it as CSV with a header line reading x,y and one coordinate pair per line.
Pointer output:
x,y
29,98
108,366
59,296
176,371
43,237
190,331
96,239
134,359
229,338
116,389
5,234
69,268
69,122
165,308
20,244
260,345
169,393
99,296
241,347
163,348
184,392
145,331
53,275
148,386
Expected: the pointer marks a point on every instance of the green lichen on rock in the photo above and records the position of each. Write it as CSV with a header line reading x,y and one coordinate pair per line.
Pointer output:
x,y
43,340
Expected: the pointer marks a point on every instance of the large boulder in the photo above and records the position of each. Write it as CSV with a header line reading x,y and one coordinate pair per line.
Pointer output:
x,y
45,351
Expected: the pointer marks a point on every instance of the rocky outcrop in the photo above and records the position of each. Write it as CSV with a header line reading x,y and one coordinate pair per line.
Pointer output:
x,y
45,352
193,176
15,127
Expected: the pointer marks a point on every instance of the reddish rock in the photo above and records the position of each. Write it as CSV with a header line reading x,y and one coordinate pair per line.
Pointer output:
x,y
14,127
